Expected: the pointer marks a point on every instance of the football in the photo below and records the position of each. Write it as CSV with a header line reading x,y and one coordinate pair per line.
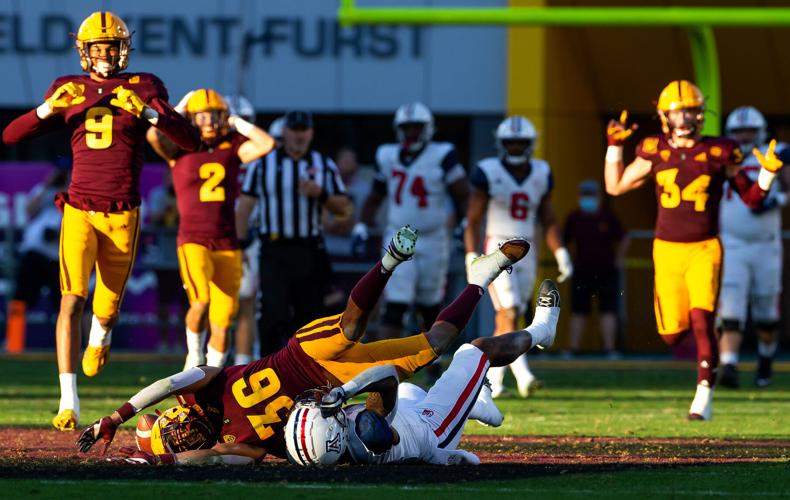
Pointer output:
x,y
143,433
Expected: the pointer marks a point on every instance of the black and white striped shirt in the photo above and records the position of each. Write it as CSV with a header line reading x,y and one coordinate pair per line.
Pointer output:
x,y
283,212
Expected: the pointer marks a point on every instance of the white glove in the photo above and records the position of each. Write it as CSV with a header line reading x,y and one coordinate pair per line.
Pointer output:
x,y
181,107
470,256
332,402
564,263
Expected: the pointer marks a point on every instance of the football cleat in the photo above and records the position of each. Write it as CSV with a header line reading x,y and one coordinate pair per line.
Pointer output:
x,y
702,406
485,410
403,244
94,359
484,269
548,294
530,388
764,372
729,376
66,420
194,360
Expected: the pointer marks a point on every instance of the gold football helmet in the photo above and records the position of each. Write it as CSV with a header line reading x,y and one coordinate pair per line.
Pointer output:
x,y
681,95
103,26
181,428
208,101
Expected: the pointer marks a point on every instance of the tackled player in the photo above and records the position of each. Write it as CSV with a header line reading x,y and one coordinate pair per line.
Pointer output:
x,y
107,112
689,171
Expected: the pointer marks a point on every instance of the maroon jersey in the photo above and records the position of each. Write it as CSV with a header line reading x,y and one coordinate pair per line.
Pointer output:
x,y
107,143
250,403
689,184
206,185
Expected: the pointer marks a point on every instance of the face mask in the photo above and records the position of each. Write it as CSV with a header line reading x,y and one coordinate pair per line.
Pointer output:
x,y
588,204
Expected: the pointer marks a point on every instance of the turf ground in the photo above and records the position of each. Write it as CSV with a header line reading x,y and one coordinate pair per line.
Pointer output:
x,y
598,430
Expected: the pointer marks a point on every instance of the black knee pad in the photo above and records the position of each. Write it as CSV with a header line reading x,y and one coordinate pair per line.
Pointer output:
x,y
428,314
729,324
393,313
767,325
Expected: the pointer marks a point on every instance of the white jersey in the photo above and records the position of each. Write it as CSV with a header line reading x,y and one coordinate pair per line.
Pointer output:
x,y
736,220
418,191
512,205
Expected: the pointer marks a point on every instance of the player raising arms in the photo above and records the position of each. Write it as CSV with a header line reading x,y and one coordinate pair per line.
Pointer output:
x,y
206,185
107,112
245,407
689,171
512,192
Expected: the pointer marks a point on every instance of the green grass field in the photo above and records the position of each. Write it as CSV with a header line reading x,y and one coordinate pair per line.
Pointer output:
x,y
618,400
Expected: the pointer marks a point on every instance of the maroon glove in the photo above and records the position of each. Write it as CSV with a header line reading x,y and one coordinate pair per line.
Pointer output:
x,y
129,455
103,428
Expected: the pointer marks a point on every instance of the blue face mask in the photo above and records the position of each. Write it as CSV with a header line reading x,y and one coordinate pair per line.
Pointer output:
x,y
588,204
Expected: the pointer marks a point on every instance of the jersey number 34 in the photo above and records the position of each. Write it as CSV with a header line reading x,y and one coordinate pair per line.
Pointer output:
x,y
696,191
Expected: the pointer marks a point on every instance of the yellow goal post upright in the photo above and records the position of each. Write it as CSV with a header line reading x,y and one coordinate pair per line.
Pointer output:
x,y
698,22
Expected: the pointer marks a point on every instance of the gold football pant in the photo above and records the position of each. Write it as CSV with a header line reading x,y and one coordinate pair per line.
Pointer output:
x,y
107,241
687,276
212,277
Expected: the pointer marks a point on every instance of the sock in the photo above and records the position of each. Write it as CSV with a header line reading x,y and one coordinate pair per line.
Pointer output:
x,y
68,393
703,400
215,357
99,337
496,375
367,291
729,358
767,350
195,342
707,346
460,311
544,325
242,359
521,371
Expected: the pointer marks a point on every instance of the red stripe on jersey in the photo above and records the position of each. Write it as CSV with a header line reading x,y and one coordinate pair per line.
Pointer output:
x,y
309,328
321,335
470,386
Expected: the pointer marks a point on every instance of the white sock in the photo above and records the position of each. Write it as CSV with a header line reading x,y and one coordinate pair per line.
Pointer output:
x,y
99,337
195,342
389,263
729,358
767,350
242,359
68,393
496,375
521,371
703,401
543,328
215,357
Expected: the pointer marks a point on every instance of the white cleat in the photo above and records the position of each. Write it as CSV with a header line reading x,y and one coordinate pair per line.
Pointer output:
x,y
401,247
484,269
485,410
530,388
702,406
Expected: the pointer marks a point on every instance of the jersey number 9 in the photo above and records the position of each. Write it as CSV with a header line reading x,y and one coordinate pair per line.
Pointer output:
x,y
98,126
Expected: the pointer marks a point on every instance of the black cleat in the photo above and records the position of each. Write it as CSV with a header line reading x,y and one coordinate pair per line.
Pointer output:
x,y
729,376
548,295
764,372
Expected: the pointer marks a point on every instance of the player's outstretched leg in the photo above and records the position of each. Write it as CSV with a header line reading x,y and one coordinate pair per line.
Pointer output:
x,y
504,349
707,361
366,293
482,272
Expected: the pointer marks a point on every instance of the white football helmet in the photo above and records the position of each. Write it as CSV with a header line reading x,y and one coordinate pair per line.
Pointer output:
x,y
312,439
241,106
276,128
516,128
413,112
747,117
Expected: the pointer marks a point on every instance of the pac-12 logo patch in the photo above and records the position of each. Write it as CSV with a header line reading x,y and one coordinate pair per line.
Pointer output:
x,y
229,438
427,412
333,444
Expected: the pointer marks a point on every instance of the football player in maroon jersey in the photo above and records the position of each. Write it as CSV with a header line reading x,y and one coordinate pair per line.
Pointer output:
x,y
107,112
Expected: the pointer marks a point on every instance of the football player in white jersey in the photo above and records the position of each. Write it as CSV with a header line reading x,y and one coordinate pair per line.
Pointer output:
x,y
403,423
416,176
511,193
752,255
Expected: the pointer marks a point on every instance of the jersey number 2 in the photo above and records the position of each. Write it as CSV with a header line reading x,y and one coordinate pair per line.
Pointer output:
x,y
417,189
214,173
98,127
263,385
696,191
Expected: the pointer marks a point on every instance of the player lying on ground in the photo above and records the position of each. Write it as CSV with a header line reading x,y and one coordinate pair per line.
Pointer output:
x,y
107,113
245,407
206,185
403,423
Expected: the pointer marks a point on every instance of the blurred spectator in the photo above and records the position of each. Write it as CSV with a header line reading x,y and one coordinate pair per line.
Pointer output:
x,y
163,217
38,267
600,245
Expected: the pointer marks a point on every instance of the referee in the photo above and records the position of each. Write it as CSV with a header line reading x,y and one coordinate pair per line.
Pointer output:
x,y
291,186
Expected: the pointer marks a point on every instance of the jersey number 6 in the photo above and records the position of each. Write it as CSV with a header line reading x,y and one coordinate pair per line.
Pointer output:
x,y
258,393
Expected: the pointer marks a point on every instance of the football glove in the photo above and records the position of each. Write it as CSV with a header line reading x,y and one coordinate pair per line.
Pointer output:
x,y
617,132
564,263
103,429
67,95
128,100
359,239
770,161
332,402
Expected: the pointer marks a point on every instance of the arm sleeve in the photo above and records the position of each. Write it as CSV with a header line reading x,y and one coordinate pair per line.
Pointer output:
x,y
479,180
29,125
747,189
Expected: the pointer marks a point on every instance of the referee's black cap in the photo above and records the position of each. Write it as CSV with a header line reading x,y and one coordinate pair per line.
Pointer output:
x,y
298,120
